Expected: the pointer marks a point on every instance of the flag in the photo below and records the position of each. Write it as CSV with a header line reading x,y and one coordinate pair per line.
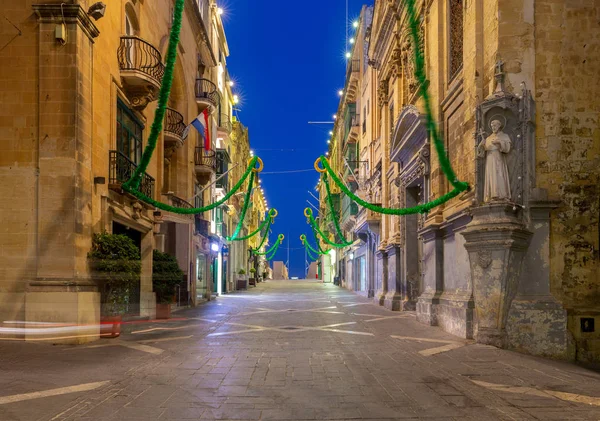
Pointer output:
x,y
201,128
207,134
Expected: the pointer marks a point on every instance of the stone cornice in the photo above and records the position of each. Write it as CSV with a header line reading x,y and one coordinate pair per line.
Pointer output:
x,y
69,13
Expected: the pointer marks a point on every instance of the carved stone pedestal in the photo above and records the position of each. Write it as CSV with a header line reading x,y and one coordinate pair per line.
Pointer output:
x,y
433,278
496,241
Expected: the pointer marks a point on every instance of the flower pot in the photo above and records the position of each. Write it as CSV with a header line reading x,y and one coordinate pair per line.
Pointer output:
x,y
163,310
252,281
241,284
110,326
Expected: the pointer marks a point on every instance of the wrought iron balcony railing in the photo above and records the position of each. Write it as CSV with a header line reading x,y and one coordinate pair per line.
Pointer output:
x,y
135,54
178,202
205,158
174,123
206,92
121,168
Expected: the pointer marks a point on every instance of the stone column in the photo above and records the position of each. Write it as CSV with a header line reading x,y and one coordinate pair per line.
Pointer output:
x,y
496,241
382,276
433,274
393,296
62,290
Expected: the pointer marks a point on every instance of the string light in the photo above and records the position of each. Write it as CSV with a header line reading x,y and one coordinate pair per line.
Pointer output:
x,y
334,116
340,92
328,141
330,133
348,55
236,99
355,24
351,40
231,83
220,11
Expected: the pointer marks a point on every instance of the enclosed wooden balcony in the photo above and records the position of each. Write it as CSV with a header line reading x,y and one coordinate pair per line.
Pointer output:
x,y
207,95
142,70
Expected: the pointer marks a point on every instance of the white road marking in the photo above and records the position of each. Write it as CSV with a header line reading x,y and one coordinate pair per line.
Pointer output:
x,y
232,332
153,329
356,304
143,348
175,338
433,351
352,332
52,392
570,397
386,318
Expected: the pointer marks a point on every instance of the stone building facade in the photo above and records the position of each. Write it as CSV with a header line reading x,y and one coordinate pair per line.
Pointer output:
x,y
79,94
513,266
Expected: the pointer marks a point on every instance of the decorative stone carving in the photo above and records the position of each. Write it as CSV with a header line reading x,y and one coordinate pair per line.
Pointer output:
x,y
484,258
136,210
382,93
493,149
408,63
396,62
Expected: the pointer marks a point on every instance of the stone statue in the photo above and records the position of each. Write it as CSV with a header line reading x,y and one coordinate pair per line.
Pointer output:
x,y
497,184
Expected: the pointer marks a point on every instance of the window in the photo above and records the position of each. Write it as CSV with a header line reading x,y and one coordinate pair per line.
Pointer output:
x,y
455,56
392,118
129,133
199,197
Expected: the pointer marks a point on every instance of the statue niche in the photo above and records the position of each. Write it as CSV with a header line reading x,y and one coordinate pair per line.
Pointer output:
x,y
493,149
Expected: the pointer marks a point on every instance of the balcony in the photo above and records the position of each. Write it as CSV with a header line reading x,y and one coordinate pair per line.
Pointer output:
x,y
202,226
174,128
178,202
349,212
206,94
223,182
352,74
142,70
225,125
120,170
205,164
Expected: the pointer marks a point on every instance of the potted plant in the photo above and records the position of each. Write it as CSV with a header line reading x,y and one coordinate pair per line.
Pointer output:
x,y
116,265
241,281
166,275
252,280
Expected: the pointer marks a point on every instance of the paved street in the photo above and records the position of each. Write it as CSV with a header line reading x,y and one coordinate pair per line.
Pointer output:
x,y
288,350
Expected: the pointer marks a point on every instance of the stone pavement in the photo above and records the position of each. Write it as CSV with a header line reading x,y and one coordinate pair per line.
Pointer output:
x,y
289,350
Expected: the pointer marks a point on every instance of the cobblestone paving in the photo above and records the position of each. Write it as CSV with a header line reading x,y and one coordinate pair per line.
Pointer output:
x,y
289,350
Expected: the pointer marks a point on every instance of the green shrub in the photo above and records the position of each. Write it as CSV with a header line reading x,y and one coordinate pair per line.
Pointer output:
x,y
116,263
252,270
241,272
166,275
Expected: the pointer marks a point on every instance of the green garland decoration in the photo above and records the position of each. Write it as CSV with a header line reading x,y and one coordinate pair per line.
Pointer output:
x,y
336,223
189,211
265,236
240,223
459,186
273,247
311,256
315,226
321,251
311,248
270,216
165,90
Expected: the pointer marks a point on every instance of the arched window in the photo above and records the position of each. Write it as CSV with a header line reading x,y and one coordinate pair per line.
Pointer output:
x,y
132,25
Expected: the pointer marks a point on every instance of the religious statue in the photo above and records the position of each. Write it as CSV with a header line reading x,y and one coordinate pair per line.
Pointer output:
x,y
493,149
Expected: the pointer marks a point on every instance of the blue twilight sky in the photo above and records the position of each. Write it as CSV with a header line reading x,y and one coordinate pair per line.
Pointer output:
x,y
287,61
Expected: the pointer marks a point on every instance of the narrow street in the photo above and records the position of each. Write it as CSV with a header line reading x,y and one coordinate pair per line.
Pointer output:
x,y
288,350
